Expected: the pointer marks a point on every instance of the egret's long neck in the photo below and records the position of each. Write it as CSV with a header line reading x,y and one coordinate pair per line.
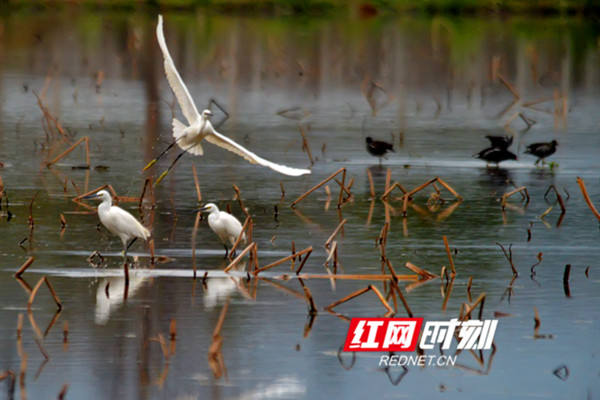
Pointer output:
x,y
105,205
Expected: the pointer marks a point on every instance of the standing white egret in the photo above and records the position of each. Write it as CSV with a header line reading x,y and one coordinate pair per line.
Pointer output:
x,y
226,226
120,223
189,138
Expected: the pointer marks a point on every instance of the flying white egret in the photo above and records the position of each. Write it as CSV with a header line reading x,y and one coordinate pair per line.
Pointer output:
x,y
189,138
226,226
119,221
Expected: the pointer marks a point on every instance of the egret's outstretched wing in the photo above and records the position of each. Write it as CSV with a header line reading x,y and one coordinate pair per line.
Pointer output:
x,y
228,144
183,95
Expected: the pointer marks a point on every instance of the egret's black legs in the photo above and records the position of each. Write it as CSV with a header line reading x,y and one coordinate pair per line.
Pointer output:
x,y
151,163
226,251
160,178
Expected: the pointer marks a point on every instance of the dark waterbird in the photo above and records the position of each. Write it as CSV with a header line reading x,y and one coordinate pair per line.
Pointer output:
x,y
500,142
495,155
378,148
542,150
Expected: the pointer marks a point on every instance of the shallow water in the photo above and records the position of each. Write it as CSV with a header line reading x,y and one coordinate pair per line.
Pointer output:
x,y
443,102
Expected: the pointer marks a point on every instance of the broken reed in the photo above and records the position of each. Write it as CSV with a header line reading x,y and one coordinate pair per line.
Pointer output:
x,y
323,182
563,209
70,149
449,256
238,258
247,222
282,260
305,145
371,184
407,196
24,266
522,190
361,292
586,196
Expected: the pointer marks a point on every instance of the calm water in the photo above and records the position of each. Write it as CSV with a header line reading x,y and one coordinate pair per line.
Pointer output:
x,y
437,96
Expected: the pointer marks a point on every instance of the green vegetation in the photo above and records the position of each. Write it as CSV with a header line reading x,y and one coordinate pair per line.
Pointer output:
x,y
357,8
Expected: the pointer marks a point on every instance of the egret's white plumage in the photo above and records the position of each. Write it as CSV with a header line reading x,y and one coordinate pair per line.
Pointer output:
x,y
226,226
189,138
119,221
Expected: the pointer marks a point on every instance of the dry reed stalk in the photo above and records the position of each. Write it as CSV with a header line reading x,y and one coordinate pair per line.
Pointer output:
x,y
25,266
312,309
63,391
522,190
239,238
30,221
536,102
407,196
19,326
303,261
419,271
344,188
388,178
370,215
470,307
566,280
198,193
217,330
586,197
509,258
53,293
48,117
317,186
349,297
238,258
281,261
448,292
65,332
402,298
147,184
359,277
371,184
391,269
360,292
537,323
109,187
382,299
449,256
510,87
469,288
22,371
70,149
339,204
335,232
239,199
391,188
305,145
382,238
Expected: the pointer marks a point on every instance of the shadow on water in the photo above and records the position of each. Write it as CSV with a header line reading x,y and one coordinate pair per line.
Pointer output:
x,y
435,87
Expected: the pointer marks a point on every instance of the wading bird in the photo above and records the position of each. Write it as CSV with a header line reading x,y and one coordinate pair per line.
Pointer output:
x,y
226,226
190,137
500,142
119,222
495,155
378,148
542,150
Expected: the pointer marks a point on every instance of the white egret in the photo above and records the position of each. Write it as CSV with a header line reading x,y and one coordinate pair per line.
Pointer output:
x,y
189,138
226,226
119,221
